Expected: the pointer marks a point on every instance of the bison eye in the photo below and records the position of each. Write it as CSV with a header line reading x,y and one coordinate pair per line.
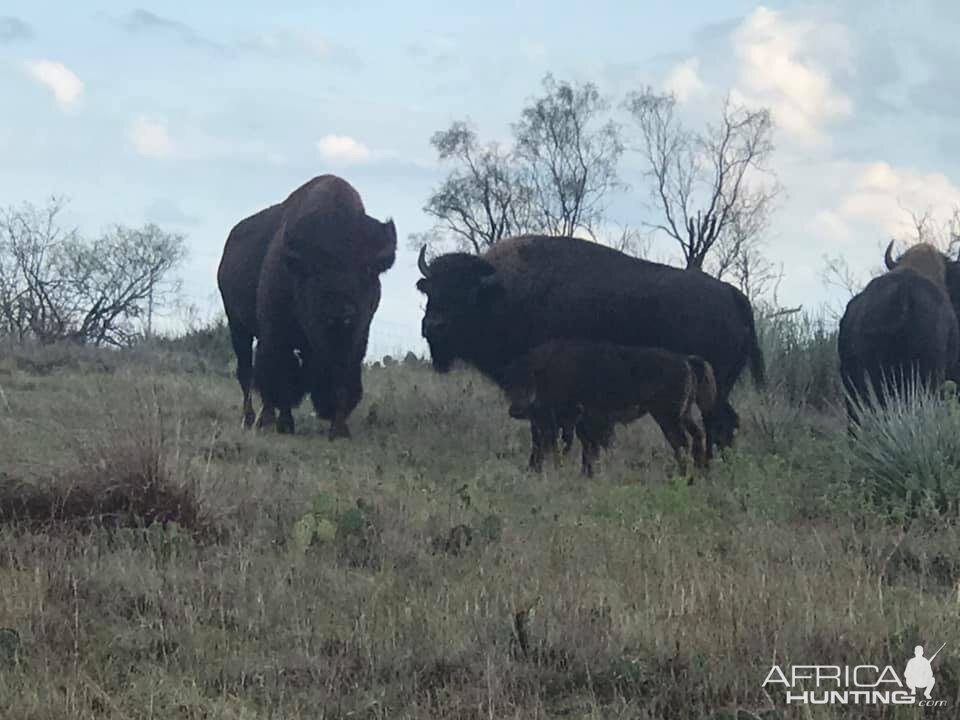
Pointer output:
x,y
379,266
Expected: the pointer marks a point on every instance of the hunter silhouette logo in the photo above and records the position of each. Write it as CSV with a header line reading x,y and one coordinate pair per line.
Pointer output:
x,y
919,674
858,684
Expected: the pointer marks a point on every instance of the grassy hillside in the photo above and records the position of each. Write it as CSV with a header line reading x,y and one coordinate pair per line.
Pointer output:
x,y
417,570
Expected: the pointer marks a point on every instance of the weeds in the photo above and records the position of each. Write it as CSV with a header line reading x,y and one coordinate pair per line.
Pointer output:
x,y
907,450
460,586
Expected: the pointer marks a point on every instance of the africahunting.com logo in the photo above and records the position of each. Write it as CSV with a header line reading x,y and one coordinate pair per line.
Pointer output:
x,y
858,684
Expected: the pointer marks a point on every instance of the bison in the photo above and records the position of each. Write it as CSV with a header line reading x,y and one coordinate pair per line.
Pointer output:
x,y
303,277
492,309
565,383
901,325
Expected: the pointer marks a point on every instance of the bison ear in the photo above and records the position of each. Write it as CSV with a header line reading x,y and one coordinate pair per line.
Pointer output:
x,y
391,230
423,285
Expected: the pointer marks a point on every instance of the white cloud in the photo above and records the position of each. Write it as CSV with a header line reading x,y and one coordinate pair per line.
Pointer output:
x,y
882,198
298,45
66,87
684,79
778,68
150,138
285,42
342,148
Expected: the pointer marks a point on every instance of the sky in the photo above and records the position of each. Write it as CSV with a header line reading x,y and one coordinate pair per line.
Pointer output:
x,y
196,115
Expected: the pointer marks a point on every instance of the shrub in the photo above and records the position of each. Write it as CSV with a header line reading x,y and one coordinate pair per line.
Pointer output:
x,y
127,473
800,350
908,452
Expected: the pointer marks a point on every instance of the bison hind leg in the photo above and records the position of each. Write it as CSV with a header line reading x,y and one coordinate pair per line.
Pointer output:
x,y
535,462
699,441
242,341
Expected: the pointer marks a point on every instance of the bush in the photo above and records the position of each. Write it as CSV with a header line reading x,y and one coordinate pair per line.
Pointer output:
x,y
908,452
128,473
209,341
800,351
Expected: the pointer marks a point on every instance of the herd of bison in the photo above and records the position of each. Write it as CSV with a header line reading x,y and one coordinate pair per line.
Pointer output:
x,y
579,336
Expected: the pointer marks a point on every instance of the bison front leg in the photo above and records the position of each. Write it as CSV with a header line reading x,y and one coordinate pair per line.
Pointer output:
x,y
249,416
267,417
338,426
568,422
543,436
344,393
278,377
285,424
720,425
595,432
676,435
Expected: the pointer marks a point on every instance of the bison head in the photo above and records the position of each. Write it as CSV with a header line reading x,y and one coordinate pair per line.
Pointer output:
x,y
518,386
334,271
924,259
459,288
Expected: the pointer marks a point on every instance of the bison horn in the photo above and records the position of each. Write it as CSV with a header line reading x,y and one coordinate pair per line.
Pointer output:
x,y
888,257
422,261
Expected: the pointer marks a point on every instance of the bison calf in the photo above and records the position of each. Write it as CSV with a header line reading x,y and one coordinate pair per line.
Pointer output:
x,y
566,384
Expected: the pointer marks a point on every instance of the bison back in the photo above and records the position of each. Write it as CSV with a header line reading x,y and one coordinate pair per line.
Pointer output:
x,y
898,320
239,272
564,287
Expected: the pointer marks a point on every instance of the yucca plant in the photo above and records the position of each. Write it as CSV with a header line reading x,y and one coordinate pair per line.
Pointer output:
x,y
907,452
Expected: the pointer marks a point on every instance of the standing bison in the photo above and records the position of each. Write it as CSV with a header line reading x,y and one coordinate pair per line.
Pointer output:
x,y
902,323
563,383
492,309
303,277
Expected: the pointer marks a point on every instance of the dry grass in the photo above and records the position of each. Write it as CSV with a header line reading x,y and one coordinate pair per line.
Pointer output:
x,y
458,587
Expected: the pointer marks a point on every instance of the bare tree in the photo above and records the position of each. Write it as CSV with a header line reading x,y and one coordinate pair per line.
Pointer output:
x,y
30,292
713,188
926,228
482,199
570,157
554,180
943,234
739,256
837,273
56,285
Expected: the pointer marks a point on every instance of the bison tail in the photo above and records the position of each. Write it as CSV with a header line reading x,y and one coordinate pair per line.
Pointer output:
x,y
758,368
706,383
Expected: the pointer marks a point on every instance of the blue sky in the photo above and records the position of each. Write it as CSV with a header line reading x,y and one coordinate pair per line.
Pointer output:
x,y
195,115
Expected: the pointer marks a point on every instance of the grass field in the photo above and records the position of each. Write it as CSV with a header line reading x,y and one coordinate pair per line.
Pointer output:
x,y
417,570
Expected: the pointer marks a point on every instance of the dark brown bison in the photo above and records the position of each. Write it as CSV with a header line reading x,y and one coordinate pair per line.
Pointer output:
x,y
563,384
303,277
901,325
489,310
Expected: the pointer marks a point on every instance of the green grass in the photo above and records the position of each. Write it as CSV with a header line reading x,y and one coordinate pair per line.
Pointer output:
x,y
640,597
